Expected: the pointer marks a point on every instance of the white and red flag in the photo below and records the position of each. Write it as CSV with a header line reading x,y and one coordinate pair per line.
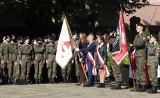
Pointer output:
x,y
64,48
120,47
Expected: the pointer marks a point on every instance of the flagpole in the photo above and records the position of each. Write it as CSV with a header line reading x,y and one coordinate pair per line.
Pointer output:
x,y
76,46
134,85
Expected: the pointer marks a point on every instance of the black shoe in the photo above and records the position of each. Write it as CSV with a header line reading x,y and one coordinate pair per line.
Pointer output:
x,y
143,89
117,86
153,90
51,80
101,85
64,80
87,85
18,82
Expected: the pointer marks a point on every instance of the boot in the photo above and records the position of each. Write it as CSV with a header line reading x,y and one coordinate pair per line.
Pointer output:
x,y
101,85
152,90
117,86
138,87
21,82
37,81
18,82
10,81
143,89
64,80
78,79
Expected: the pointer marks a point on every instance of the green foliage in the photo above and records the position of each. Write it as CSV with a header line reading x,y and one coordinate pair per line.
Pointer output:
x,y
109,61
147,31
126,60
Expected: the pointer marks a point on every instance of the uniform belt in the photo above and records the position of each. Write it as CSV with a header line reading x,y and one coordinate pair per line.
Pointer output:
x,y
151,54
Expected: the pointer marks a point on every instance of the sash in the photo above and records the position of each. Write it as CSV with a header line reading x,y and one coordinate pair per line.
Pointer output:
x,y
101,61
90,57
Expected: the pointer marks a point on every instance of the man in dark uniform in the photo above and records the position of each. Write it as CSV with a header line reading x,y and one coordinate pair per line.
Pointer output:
x,y
140,58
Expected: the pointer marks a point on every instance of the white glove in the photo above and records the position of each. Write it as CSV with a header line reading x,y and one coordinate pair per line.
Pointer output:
x,y
77,49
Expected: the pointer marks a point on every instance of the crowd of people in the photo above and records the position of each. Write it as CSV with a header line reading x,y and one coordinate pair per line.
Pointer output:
x,y
17,56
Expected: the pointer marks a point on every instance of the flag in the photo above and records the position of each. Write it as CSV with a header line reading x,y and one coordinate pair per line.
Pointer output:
x,y
64,48
120,48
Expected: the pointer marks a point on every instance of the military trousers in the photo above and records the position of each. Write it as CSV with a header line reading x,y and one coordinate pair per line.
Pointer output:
x,y
140,71
117,70
51,68
25,70
67,70
38,69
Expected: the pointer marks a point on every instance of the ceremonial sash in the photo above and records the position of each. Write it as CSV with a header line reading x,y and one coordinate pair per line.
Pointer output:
x,y
90,57
101,61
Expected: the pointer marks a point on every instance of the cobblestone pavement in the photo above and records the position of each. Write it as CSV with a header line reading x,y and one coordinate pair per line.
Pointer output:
x,y
67,91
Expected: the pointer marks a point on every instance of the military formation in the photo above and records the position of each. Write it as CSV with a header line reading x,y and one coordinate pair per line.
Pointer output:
x,y
19,56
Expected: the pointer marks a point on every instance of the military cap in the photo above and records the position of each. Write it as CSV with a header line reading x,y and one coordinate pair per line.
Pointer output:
x,y
20,38
52,37
38,39
140,24
46,37
26,38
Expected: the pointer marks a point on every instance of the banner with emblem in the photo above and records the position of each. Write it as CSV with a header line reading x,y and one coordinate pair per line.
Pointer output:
x,y
64,48
120,48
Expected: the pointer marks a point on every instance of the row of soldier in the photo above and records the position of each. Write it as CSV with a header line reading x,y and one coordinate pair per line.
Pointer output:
x,y
18,56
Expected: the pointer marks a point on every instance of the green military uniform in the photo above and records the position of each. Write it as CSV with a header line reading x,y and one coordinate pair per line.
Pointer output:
x,y
117,69
25,56
66,72
4,57
140,58
39,51
13,51
18,65
153,62
50,53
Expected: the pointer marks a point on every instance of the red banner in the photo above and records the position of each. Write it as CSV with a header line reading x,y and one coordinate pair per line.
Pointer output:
x,y
118,56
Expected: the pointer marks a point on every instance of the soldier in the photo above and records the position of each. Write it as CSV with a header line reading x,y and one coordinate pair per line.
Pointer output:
x,y
153,52
18,66
12,59
39,51
75,59
66,72
117,69
25,57
5,56
140,58
50,60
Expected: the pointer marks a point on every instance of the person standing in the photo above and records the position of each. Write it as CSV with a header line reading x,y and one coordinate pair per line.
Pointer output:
x,y
18,65
5,56
82,44
25,57
140,58
88,56
50,59
39,52
101,60
117,68
153,53
12,59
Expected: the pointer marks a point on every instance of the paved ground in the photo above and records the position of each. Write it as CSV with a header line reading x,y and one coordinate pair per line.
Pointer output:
x,y
66,91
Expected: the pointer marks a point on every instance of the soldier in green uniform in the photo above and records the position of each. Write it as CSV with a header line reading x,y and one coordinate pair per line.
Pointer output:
x,y
5,56
12,59
117,68
51,63
75,58
17,65
25,57
140,58
66,72
39,51
153,52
